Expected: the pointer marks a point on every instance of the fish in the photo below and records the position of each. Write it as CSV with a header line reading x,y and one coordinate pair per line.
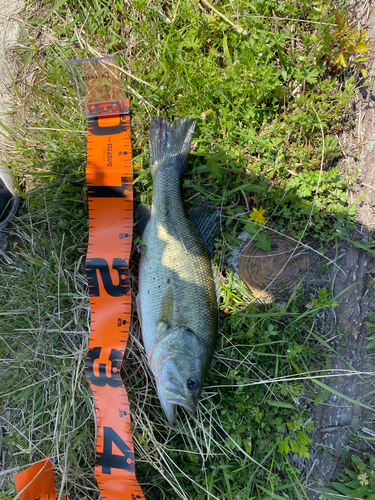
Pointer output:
x,y
177,302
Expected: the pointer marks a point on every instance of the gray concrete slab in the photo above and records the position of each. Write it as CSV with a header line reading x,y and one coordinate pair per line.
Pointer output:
x,y
9,33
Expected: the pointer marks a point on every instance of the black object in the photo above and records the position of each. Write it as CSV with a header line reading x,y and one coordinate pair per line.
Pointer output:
x,y
5,201
9,200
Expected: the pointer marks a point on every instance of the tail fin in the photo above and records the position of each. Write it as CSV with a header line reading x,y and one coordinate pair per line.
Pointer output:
x,y
170,141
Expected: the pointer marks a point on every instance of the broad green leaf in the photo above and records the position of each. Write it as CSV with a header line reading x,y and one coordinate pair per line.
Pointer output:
x,y
353,484
263,242
303,438
341,488
358,462
284,446
294,445
362,59
340,61
359,492
352,210
362,47
371,345
332,495
363,36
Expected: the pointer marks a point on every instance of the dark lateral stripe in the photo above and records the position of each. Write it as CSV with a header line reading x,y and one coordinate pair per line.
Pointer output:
x,y
106,191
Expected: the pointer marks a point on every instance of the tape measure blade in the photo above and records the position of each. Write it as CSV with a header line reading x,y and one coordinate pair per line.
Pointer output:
x,y
110,195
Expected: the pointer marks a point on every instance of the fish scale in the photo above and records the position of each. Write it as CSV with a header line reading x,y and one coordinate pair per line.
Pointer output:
x,y
177,299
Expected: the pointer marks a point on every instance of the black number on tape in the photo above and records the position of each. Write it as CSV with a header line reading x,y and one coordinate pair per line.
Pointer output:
x,y
101,265
108,460
102,379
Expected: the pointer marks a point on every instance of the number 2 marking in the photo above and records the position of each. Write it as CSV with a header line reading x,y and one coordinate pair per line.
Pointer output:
x,y
101,265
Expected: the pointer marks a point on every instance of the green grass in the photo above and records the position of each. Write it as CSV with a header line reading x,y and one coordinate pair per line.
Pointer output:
x,y
269,110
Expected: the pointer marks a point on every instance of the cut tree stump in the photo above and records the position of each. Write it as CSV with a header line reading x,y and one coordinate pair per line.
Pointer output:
x,y
267,273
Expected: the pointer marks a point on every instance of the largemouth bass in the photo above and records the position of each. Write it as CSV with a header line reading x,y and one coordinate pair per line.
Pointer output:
x,y
177,303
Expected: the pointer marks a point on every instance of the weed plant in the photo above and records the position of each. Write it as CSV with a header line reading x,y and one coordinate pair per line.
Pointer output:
x,y
268,112
358,481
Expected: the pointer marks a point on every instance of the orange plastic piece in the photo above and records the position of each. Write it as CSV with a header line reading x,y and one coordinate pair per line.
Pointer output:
x,y
37,481
110,195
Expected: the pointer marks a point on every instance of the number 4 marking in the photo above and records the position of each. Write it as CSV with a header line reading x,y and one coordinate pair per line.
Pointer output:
x,y
108,460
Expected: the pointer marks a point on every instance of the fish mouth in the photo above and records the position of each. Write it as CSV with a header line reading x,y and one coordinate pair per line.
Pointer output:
x,y
182,402
169,410
173,394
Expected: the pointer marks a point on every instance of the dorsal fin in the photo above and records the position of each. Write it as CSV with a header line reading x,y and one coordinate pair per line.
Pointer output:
x,y
207,220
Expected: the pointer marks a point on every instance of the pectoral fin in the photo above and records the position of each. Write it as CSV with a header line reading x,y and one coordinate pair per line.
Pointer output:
x,y
167,307
207,220
139,311
142,216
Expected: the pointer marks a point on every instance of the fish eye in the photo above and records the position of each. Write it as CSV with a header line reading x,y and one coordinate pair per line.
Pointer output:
x,y
192,384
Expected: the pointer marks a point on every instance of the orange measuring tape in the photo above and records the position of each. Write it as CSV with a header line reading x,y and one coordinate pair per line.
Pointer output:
x,y
110,204
110,195
37,482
